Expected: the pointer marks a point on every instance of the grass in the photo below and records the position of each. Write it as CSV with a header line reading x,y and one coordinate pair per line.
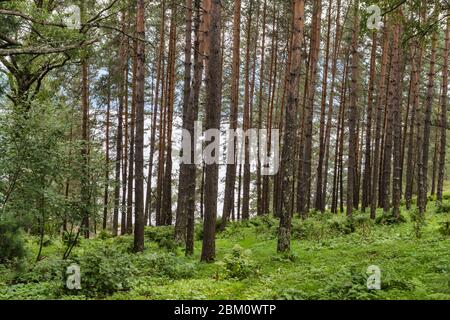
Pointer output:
x,y
327,261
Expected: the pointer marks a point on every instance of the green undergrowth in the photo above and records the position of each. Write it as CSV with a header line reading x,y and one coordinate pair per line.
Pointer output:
x,y
328,260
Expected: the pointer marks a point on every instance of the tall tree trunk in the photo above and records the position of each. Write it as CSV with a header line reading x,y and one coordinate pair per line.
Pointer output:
x,y
339,139
443,116
167,181
423,164
288,157
139,139
230,177
395,106
366,188
213,90
131,155
194,106
352,114
107,164
336,46
246,122
181,218
305,186
123,220
378,120
119,134
319,200
261,197
148,193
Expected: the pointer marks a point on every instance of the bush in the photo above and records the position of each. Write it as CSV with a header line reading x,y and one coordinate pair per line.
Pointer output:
x,y
104,234
164,265
446,195
349,283
49,269
238,264
11,242
443,207
104,270
307,229
342,225
389,219
444,228
159,233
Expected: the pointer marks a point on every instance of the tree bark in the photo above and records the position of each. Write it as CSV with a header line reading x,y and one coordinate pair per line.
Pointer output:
x,y
139,139
213,90
443,116
288,157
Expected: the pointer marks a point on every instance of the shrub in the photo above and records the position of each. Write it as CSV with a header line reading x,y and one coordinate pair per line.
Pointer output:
x,y
342,225
104,270
103,235
307,229
444,228
49,269
238,264
443,207
164,265
159,233
11,242
349,283
389,219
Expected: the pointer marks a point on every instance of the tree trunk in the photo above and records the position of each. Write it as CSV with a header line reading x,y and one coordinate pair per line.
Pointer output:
x,y
352,114
288,157
366,188
230,177
139,139
423,165
319,199
378,120
167,181
246,122
213,90
305,185
106,192
395,102
443,116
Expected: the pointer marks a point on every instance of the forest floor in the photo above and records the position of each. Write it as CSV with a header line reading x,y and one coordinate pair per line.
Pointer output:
x,y
329,260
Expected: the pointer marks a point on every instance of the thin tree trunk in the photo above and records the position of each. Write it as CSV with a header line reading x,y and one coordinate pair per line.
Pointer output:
x,y
319,199
230,177
395,106
423,165
366,189
336,46
378,119
352,114
106,192
246,122
131,156
167,181
305,185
